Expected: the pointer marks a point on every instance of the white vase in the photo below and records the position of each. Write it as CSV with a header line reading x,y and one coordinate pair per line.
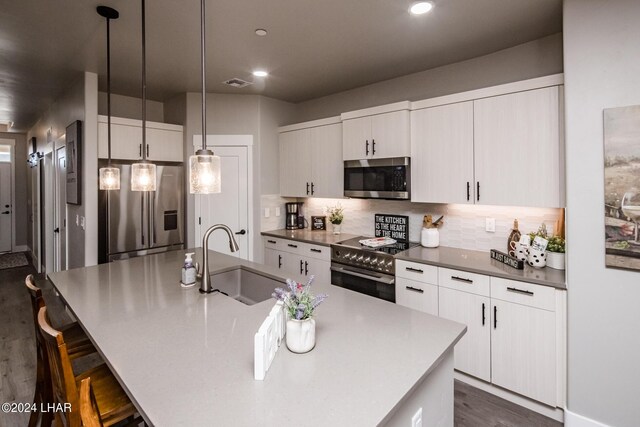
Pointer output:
x,y
555,260
430,237
336,228
301,335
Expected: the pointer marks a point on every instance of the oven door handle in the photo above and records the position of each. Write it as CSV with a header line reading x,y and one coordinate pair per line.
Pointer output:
x,y
371,276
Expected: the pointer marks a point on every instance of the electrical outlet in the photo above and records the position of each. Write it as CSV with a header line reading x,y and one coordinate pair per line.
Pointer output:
x,y
490,225
82,222
77,220
416,420
267,214
277,211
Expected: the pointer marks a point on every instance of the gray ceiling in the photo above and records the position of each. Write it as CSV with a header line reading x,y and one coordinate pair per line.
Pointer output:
x,y
314,47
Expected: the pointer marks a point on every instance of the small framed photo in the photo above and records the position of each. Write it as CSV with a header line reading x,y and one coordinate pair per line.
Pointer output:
x,y
318,223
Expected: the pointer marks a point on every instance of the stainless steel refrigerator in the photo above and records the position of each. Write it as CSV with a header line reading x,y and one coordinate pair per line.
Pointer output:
x,y
134,223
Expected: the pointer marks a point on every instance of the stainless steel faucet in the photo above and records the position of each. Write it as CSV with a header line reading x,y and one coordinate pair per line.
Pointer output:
x,y
205,284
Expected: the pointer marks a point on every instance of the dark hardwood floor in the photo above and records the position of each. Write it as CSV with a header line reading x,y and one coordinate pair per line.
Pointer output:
x,y
473,407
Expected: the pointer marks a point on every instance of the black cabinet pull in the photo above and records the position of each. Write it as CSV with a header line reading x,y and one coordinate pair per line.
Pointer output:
x,y
292,245
140,150
411,288
468,191
520,291
307,188
279,261
415,270
147,150
315,250
461,279
306,268
367,146
271,241
301,266
495,317
312,188
478,190
373,147
483,315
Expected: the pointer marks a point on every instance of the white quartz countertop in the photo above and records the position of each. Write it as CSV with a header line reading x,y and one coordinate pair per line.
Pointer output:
x,y
317,237
186,359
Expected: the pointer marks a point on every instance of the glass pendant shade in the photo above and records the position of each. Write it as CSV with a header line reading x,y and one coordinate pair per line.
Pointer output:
x,y
143,176
109,178
204,173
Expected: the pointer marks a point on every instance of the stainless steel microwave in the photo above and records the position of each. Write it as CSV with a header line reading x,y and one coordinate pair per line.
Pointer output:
x,y
378,178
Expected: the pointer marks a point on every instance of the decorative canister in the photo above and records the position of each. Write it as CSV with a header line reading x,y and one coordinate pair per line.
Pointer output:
x,y
301,335
430,237
556,260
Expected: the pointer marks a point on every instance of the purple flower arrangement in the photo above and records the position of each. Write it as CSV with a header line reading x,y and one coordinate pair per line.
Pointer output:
x,y
298,301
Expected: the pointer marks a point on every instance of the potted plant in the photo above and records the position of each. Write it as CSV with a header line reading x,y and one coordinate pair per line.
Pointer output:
x,y
336,216
555,253
299,306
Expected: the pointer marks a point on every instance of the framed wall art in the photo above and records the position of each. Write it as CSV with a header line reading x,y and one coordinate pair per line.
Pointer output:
x,y
73,149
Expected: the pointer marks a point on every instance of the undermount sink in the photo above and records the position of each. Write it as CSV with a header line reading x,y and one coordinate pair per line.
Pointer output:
x,y
244,285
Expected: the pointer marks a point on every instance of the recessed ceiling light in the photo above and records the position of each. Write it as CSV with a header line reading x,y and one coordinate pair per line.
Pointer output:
x,y
261,32
420,8
260,73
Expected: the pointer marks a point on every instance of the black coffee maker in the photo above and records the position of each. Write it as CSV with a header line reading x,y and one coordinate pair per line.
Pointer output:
x,y
294,217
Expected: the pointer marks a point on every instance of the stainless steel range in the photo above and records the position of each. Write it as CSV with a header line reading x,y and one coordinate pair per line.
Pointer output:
x,y
366,270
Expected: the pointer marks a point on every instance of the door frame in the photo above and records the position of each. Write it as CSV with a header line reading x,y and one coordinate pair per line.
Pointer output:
x,y
59,144
233,141
48,192
12,142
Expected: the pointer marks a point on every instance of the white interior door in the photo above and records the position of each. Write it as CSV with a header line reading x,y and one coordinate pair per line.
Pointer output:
x,y
230,206
6,210
60,207
48,212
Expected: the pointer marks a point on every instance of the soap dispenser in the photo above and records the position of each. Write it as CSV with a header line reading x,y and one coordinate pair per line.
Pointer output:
x,y
189,272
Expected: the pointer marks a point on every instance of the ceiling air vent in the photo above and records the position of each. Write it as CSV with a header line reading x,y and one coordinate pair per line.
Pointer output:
x,y
237,83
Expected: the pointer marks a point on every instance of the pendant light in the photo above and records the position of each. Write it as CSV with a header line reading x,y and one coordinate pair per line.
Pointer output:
x,y
143,173
109,175
204,167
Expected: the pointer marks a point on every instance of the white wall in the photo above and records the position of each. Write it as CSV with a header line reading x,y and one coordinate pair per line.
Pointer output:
x,y
130,107
533,59
602,70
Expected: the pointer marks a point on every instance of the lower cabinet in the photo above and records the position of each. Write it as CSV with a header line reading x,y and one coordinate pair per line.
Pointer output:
x,y
417,295
292,259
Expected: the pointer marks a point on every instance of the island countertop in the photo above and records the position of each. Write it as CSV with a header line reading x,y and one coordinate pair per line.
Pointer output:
x,y
187,359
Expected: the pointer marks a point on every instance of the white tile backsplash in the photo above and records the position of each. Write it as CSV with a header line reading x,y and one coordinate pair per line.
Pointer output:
x,y
464,225
272,201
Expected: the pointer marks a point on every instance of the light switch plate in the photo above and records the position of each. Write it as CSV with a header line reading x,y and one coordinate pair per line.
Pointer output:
x,y
267,213
490,225
277,211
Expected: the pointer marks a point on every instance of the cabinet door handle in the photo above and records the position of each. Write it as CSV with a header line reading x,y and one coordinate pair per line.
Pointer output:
x,y
312,188
147,150
316,250
271,241
520,291
478,190
367,146
373,147
279,261
306,268
307,188
140,150
411,288
468,191
415,270
301,266
461,279
483,315
495,317
292,245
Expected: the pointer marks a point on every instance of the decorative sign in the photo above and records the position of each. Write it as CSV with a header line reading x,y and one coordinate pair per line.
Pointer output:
x,y
318,222
73,150
394,226
507,259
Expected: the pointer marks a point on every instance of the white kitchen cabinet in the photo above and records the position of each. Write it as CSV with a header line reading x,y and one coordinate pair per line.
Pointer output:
x,y
298,260
417,295
311,160
473,352
518,149
376,133
442,154
164,141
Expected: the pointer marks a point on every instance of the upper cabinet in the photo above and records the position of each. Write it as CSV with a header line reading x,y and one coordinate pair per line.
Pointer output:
x,y
311,159
377,133
164,141
495,146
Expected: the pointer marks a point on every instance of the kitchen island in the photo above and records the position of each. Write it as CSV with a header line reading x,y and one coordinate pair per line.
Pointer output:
x,y
187,359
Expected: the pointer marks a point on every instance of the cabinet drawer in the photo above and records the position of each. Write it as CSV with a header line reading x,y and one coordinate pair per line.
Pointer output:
x,y
415,271
274,243
463,281
528,294
416,295
318,252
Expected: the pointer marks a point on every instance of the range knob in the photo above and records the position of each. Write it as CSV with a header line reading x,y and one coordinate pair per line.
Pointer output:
x,y
374,262
367,260
360,258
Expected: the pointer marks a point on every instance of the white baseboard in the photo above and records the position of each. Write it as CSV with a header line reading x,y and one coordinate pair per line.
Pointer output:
x,y
548,411
571,419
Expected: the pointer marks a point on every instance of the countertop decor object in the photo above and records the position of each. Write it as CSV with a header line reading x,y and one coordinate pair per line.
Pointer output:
x,y
299,306
336,216
556,253
394,226
430,236
507,259
514,237
318,223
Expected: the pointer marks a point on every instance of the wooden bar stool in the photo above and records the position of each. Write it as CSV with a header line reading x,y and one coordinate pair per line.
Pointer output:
x,y
89,412
78,345
112,402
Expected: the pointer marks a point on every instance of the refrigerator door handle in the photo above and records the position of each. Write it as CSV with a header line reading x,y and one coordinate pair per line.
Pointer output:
x,y
152,209
142,216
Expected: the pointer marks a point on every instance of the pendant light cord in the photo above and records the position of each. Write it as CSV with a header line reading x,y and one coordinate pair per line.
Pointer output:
x,y
203,63
144,88
108,94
